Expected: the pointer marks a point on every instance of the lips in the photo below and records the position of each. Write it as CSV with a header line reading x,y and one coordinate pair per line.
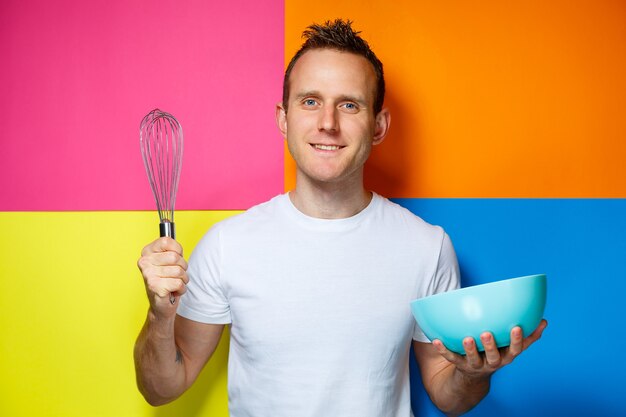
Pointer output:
x,y
322,147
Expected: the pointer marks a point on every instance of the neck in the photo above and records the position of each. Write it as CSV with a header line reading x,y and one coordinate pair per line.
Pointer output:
x,y
330,201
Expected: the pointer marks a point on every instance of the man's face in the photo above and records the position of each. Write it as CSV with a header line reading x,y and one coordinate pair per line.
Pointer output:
x,y
330,125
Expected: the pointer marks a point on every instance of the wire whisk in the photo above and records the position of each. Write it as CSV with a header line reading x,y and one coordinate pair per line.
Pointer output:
x,y
161,140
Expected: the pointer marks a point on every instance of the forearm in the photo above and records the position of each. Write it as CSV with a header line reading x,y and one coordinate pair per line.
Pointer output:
x,y
455,393
158,362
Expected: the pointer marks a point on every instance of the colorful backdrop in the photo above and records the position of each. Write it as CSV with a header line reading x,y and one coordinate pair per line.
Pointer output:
x,y
508,129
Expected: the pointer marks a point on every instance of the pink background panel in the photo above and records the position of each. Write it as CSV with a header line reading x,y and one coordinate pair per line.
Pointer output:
x,y
78,77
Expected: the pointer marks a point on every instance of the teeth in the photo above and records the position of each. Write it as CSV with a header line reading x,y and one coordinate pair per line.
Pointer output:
x,y
327,147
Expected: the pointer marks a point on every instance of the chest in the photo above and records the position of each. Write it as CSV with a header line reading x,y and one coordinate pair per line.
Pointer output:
x,y
322,291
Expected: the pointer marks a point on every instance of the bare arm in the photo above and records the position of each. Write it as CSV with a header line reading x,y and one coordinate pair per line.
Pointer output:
x,y
457,383
170,350
170,355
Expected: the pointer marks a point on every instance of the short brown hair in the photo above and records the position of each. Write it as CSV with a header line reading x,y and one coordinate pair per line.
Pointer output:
x,y
338,35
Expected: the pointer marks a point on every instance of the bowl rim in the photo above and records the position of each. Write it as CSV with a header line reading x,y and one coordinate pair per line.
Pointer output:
x,y
464,289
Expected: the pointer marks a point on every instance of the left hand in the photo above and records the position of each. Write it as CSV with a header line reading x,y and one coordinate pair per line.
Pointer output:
x,y
480,365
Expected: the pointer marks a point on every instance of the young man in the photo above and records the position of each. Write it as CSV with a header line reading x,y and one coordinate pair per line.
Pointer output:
x,y
316,283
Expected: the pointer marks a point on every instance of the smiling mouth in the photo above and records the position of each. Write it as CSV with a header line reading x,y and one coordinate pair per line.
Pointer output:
x,y
326,147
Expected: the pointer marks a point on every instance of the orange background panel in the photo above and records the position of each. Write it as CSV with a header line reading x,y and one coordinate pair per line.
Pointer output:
x,y
492,99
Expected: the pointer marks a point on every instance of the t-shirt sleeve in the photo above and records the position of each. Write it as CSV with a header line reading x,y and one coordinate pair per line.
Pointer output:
x,y
205,300
446,278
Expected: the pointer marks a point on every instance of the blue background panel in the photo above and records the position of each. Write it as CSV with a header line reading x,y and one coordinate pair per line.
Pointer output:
x,y
576,368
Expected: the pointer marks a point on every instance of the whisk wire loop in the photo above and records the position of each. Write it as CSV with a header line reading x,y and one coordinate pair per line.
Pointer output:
x,y
161,137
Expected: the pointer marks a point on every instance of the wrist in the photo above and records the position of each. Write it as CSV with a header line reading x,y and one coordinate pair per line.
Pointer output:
x,y
160,324
473,381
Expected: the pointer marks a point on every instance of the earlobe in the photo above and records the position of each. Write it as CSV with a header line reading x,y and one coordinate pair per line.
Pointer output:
x,y
281,119
383,119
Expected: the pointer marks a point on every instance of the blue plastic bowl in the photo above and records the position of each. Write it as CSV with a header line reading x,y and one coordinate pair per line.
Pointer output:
x,y
496,307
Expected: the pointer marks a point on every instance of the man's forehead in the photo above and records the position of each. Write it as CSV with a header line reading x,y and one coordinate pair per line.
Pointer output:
x,y
327,70
319,54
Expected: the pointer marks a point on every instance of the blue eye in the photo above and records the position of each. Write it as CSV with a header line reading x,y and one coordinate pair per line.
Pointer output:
x,y
309,102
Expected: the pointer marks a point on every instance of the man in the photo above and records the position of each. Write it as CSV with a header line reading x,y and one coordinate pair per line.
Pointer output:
x,y
316,283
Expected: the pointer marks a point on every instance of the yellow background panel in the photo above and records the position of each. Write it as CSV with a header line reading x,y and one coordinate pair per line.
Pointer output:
x,y
72,305
491,98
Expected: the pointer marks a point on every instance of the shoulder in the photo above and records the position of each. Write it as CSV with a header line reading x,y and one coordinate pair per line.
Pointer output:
x,y
259,214
259,217
239,228
402,219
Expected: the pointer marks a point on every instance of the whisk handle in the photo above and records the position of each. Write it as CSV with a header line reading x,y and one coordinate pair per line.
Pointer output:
x,y
167,229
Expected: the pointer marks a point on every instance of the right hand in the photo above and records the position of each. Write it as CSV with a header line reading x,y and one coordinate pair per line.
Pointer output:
x,y
164,271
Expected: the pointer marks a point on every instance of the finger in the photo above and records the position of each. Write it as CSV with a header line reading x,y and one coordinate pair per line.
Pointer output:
x,y
492,354
182,289
168,258
163,244
448,355
517,344
151,264
472,356
174,271
162,287
535,335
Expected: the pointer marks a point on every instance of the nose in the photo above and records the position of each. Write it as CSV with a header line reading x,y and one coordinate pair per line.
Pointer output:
x,y
328,119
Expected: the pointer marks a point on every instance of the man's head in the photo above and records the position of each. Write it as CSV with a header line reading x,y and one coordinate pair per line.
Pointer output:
x,y
340,36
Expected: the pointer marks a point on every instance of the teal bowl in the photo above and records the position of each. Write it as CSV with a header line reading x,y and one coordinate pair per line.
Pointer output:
x,y
496,307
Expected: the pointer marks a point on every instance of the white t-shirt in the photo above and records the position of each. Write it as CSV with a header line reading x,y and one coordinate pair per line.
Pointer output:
x,y
319,313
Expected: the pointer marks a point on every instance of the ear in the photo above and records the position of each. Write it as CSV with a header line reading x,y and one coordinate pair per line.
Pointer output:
x,y
383,119
281,119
